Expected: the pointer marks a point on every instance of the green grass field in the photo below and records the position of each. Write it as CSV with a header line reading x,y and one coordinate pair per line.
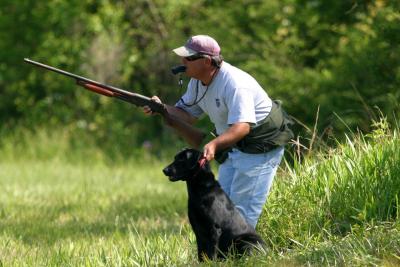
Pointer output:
x,y
60,207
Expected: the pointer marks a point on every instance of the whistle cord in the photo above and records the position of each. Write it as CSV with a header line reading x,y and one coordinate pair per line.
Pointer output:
x,y
195,102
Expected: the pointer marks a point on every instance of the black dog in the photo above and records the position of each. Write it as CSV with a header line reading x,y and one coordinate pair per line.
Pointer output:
x,y
219,227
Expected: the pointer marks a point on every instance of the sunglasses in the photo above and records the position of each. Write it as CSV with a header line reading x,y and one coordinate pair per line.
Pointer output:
x,y
195,57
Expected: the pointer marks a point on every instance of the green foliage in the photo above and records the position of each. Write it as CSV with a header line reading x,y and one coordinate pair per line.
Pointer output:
x,y
341,56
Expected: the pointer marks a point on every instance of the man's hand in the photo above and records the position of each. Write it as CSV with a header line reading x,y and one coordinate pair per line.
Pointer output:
x,y
209,150
147,110
234,134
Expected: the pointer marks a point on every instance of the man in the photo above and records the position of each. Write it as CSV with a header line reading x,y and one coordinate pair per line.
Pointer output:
x,y
242,114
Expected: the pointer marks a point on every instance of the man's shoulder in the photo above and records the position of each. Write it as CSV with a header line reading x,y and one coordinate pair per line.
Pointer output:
x,y
236,77
230,69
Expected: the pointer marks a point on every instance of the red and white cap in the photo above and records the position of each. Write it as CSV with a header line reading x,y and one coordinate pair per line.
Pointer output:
x,y
203,44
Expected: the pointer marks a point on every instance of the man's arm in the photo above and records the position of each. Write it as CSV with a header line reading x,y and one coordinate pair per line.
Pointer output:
x,y
181,114
181,121
234,134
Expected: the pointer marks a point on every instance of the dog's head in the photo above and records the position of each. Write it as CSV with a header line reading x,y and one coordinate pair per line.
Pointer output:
x,y
186,164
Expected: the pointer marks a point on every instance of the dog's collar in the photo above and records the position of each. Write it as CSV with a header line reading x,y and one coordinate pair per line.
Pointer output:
x,y
202,162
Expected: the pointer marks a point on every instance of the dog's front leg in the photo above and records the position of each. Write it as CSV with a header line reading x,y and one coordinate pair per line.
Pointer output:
x,y
207,251
208,247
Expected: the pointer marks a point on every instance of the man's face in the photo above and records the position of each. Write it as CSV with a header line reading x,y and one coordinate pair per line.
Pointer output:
x,y
195,65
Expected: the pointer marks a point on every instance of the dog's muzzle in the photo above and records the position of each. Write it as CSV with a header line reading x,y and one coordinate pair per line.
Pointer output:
x,y
169,171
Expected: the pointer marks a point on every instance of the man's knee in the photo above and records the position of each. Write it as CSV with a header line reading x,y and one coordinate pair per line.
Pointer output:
x,y
251,216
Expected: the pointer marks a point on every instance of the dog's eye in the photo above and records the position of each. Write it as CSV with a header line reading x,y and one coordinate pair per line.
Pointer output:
x,y
180,157
180,160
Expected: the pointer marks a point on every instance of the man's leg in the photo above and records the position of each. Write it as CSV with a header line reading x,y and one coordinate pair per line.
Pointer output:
x,y
225,175
252,181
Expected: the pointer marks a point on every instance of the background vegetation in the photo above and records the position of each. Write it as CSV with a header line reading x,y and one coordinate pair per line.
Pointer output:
x,y
341,56
80,173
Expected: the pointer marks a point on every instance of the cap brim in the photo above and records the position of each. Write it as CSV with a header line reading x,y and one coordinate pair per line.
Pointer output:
x,y
184,51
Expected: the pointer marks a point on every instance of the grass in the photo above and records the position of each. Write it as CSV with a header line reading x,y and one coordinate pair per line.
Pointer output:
x,y
67,207
55,213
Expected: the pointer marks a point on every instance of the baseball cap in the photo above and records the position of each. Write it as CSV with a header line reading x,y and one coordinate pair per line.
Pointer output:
x,y
199,44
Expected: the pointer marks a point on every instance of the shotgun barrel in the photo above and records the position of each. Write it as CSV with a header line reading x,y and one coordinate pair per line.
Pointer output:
x,y
104,89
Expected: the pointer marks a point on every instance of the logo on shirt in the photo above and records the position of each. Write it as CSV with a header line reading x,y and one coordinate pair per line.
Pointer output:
x,y
217,102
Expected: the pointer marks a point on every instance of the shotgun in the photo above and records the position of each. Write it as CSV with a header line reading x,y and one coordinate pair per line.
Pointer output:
x,y
191,134
106,90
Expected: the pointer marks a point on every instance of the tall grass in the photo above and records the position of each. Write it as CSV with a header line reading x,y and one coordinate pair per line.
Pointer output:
x,y
339,194
70,205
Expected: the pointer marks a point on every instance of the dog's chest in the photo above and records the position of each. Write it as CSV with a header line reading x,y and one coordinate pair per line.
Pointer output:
x,y
202,203
211,206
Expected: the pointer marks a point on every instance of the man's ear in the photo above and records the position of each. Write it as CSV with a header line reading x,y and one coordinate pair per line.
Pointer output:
x,y
208,60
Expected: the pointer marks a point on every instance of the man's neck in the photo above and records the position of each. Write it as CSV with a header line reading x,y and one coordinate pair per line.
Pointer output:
x,y
209,76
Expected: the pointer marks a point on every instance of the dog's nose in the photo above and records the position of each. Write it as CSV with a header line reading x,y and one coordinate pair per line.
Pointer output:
x,y
167,171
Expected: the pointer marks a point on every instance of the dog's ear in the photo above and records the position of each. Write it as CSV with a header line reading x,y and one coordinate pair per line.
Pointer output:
x,y
189,154
195,159
183,150
192,155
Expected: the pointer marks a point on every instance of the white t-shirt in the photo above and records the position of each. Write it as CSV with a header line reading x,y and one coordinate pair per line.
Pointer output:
x,y
233,96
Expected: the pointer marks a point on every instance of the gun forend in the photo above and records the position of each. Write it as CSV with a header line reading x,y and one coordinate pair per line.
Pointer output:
x,y
96,89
